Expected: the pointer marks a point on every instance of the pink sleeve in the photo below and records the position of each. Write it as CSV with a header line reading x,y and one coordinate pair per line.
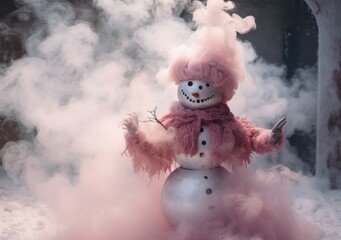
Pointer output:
x,y
151,158
259,138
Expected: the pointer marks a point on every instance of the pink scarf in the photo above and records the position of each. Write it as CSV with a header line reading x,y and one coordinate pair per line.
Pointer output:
x,y
223,127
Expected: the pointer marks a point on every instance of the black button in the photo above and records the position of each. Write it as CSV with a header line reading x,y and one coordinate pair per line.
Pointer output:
x,y
201,129
203,142
208,191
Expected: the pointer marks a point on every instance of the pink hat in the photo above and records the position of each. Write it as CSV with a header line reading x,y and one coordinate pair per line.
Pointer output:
x,y
213,53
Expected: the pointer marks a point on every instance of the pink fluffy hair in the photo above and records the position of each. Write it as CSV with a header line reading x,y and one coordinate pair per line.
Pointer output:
x,y
213,53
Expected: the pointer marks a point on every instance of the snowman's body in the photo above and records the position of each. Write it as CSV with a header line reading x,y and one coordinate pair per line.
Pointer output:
x,y
195,197
192,194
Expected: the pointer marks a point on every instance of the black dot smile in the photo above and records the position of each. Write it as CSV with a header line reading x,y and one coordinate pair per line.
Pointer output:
x,y
196,100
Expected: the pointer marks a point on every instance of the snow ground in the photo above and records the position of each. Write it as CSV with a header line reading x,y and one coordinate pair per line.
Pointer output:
x,y
22,217
319,206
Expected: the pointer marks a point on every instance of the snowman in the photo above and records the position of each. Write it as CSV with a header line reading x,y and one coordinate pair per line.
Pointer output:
x,y
207,140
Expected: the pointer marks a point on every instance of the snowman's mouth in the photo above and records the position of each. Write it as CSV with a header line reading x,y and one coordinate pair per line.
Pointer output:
x,y
196,100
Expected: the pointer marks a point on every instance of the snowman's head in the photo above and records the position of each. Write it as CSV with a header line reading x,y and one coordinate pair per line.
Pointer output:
x,y
210,66
198,94
193,73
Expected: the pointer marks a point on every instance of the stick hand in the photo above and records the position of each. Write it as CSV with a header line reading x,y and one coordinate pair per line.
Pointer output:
x,y
131,123
276,131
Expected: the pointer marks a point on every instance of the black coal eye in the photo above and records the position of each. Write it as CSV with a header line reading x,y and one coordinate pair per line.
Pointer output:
x,y
200,87
190,83
207,85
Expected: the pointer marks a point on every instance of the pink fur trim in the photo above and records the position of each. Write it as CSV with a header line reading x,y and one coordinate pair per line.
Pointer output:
x,y
259,137
223,128
151,158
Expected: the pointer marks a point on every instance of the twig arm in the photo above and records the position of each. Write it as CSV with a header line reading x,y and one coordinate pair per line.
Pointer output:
x,y
154,118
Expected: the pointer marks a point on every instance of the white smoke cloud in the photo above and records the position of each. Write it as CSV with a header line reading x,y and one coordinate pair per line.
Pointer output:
x,y
79,80
266,96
